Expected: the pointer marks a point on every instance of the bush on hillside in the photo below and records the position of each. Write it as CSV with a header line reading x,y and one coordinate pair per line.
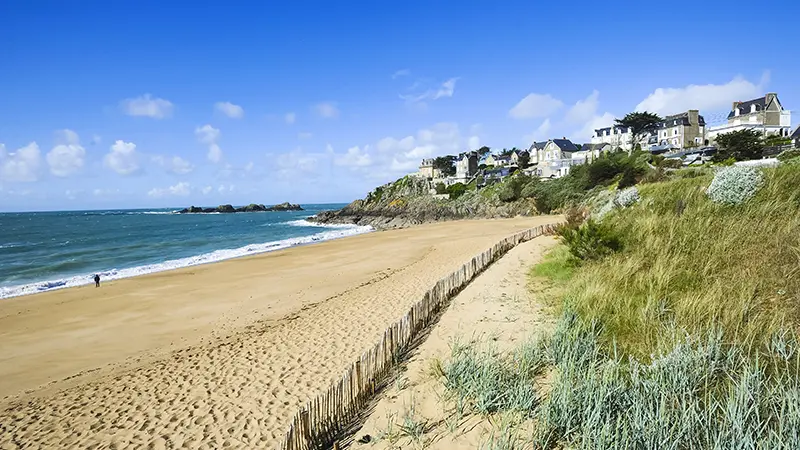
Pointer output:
x,y
456,190
512,187
529,190
628,178
672,163
591,241
735,185
789,154
441,188
627,197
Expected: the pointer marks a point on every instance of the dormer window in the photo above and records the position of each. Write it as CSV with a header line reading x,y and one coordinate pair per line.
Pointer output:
x,y
736,111
753,108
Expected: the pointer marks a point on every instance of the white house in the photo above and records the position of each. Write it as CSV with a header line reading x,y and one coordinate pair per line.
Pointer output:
x,y
765,114
555,158
466,166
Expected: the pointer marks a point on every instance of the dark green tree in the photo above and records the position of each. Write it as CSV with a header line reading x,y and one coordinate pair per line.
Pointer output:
x,y
483,151
640,124
524,160
445,164
740,145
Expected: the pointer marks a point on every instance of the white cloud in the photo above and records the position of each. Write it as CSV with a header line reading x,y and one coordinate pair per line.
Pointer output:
x,y
401,73
583,110
327,110
176,164
229,109
72,194
22,165
355,157
181,189
96,139
290,118
207,190
304,135
66,158
535,106
249,167
598,121
209,135
105,192
122,158
445,90
147,106
296,162
222,188
713,97
541,132
392,157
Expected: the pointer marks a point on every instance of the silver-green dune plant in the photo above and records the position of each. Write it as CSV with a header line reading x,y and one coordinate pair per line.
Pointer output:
x,y
627,197
735,185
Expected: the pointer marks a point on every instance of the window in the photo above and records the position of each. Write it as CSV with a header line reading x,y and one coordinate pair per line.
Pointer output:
x,y
675,132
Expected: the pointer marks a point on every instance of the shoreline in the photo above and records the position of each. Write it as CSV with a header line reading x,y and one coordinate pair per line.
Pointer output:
x,y
254,337
331,232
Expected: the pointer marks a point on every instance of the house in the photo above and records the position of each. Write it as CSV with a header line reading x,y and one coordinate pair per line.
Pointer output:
x,y
687,129
796,137
765,114
426,170
466,166
534,150
555,159
617,136
497,160
517,154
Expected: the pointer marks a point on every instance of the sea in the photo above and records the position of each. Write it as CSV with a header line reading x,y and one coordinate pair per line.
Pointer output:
x,y
43,251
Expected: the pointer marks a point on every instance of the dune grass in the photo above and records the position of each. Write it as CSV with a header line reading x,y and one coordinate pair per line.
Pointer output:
x,y
696,265
685,338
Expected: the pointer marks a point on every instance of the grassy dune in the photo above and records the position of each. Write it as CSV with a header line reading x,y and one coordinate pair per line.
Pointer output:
x,y
686,338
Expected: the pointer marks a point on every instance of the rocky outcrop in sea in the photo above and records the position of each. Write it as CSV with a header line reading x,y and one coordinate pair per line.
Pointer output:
x,y
253,207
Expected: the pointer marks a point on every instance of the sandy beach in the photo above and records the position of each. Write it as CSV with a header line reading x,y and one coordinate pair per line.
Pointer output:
x,y
213,356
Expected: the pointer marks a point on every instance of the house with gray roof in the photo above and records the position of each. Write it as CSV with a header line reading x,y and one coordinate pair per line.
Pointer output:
x,y
687,129
765,114
796,137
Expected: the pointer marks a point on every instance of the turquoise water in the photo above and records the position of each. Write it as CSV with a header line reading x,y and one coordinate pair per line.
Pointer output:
x,y
51,250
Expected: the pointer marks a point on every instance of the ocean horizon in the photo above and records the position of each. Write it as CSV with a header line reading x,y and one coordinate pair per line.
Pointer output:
x,y
48,250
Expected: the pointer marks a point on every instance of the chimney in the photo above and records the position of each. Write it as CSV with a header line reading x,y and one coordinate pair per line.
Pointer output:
x,y
694,116
735,104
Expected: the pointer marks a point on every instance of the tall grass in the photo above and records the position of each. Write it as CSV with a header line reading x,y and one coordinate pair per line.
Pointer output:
x,y
695,264
685,338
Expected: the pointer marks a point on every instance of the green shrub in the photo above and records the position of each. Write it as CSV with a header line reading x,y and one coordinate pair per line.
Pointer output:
x,y
735,185
591,241
441,188
789,154
456,190
628,178
529,190
672,163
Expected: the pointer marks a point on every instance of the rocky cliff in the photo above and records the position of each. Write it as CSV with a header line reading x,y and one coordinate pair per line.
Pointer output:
x,y
408,201
253,207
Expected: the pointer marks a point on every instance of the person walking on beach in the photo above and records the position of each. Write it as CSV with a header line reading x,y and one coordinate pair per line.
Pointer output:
x,y
97,280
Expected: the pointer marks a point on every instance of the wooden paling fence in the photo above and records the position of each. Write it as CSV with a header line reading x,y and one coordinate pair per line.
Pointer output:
x,y
318,423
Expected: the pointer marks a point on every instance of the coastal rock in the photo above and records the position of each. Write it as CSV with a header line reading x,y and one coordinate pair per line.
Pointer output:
x,y
408,202
252,207
285,206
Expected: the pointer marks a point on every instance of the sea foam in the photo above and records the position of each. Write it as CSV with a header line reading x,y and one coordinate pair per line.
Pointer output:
x,y
332,232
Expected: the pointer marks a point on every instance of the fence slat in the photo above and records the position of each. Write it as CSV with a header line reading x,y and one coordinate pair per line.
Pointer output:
x,y
318,422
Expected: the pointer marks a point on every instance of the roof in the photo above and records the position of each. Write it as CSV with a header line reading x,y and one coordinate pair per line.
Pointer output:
x,y
680,119
565,145
537,146
744,107
796,134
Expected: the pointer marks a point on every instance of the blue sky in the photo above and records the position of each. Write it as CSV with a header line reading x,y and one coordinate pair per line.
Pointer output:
x,y
151,104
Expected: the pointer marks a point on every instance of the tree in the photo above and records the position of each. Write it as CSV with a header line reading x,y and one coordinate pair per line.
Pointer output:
x,y
483,151
456,190
523,160
445,164
739,145
441,188
640,124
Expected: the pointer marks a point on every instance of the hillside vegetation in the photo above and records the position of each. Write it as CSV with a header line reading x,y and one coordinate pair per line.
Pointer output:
x,y
679,318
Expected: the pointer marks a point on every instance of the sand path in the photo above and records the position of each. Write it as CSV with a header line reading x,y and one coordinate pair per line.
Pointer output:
x,y
498,307
213,356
